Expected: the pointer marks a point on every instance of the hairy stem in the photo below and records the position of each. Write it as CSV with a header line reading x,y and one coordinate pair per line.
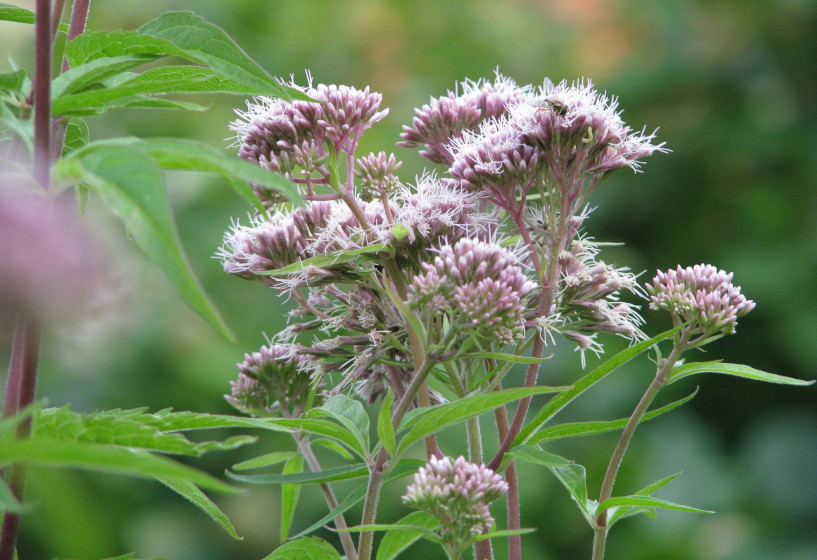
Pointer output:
x,y
600,537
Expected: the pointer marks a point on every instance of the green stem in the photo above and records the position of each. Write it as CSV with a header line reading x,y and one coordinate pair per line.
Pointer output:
x,y
600,537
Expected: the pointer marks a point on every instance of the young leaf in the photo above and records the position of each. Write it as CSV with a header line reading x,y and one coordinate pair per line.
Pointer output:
x,y
265,460
570,474
306,548
440,417
192,494
107,458
344,472
129,182
738,370
333,446
396,541
326,261
621,512
385,428
13,81
644,501
404,467
9,12
513,358
289,494
207,44
76,135
7,500
577,429
348,412
557,403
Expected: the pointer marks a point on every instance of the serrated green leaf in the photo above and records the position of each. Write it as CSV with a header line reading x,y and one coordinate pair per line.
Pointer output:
x,y
129,182
192,494
385,428
458,411
334,474
738,370
403,468
203,42
157,81
266,460
306,548
289,494
92,73
9,12
537,456
396,541
107,458
139,102
578,429
557,403
644,501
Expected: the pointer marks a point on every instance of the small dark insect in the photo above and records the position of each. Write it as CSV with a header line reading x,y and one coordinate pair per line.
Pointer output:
x,y
553,105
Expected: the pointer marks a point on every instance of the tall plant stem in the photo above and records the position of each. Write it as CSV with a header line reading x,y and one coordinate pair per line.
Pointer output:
x,y
513,503
600,537
329,496
26,350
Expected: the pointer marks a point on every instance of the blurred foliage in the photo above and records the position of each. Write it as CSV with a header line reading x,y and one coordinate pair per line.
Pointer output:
x,y
733,88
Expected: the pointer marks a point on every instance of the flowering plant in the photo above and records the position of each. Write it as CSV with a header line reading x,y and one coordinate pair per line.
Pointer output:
x,y
412,301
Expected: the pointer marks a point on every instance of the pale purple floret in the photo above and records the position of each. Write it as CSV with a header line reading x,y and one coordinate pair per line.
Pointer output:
x,y
702,295
447,117
272,380
478,284
457,493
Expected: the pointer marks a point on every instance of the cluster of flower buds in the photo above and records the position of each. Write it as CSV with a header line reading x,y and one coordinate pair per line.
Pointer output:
x,y
702,296
457,493
282,135
449,116
479,285
378,175
272,381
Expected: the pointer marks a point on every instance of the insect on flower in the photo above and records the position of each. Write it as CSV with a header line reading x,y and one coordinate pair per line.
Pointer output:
x,y
551,104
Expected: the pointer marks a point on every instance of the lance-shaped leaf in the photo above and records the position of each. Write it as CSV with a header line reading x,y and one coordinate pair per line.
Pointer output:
x,y
621,512
192,494
572,475
108,458
266,460
349,413
577,429
129,182
397,540
290,494
385,428
557,403
328,260
328,429
9,12
90,74
333,474
306,548
458,411
738,370
647,501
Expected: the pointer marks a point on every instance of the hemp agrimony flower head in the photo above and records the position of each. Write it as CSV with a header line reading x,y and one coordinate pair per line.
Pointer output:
x,y
378,175
272,381
457,493
701,295
479,285
282,135
447,117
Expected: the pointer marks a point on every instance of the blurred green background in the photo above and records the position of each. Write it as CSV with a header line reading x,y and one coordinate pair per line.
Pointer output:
x,y
732,86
